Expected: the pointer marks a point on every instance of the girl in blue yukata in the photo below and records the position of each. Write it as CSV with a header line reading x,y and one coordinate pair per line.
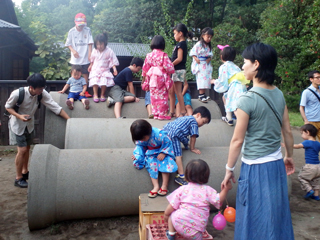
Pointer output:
x,y
231,82
154,151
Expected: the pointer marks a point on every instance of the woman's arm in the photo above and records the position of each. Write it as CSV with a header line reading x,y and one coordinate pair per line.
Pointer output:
x,y
236,144
288,141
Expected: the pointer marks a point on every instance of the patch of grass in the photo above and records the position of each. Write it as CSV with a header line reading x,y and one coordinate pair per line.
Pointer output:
x,y
295,119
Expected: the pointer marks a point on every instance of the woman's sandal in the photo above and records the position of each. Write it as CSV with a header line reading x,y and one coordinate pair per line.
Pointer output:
x,y
172,114
162,192
152,194
182,114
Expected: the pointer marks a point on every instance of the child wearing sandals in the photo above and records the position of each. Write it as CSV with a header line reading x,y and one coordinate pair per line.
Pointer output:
x,y
78,87
186,99
201,63
156,72
102,60
153,151
179,131
309,175
179,59
189,206
231,82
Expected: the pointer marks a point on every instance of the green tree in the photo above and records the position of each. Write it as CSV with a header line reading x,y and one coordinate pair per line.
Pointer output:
x,y
292,28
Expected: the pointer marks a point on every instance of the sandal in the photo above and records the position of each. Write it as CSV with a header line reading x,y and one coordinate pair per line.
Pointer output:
x,y
86,104
102,99
151,116
96,100
172,114
152,194
182,114
162,192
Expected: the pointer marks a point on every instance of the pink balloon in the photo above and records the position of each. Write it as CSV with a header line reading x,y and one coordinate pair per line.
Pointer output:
x,y
219,222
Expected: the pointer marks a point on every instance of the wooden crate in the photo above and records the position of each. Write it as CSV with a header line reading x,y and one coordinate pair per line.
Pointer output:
x,y
151,211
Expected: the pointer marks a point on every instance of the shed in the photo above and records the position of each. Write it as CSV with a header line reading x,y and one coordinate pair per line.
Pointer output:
x,y
16,47
126,51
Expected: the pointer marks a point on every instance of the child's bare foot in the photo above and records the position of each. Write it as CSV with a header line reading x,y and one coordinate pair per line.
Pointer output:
x,y
86,104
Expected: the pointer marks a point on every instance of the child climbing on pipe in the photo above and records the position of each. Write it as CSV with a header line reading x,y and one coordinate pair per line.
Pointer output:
x,y
179,131
154,151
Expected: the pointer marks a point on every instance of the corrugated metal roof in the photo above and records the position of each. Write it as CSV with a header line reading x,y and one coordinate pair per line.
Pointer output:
x,y
130,49
4,24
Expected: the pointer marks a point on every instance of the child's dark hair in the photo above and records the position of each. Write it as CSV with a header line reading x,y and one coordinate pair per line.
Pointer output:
x,y
197,171
267,57
310,128
137,61
207,31
139,129
77,68
180,27
102,38
158,42
311,73
205,113
36,80
228,54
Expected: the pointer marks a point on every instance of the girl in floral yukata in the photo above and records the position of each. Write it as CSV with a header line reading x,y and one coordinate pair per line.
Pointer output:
x,y
101,60
201,66
189,205
153,150
156,72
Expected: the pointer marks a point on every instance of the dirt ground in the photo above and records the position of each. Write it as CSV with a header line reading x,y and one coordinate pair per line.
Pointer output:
x,y
14,224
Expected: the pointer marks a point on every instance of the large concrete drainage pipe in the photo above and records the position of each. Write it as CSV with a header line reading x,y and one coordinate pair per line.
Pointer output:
x,y
93,133
73,184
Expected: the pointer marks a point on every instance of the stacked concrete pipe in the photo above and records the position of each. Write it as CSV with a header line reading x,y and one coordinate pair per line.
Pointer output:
x,y
94,176
55,128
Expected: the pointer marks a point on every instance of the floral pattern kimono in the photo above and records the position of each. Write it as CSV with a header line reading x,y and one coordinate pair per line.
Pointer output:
x,y
231,78
102,62
157,69
203,71
146,153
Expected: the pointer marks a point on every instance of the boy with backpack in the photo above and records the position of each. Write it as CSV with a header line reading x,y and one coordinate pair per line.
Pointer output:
x,y
21,122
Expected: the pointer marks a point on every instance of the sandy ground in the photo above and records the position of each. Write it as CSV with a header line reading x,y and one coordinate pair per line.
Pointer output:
x,y
14,224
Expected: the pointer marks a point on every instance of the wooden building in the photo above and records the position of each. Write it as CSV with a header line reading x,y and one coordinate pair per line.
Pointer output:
x,y
16,47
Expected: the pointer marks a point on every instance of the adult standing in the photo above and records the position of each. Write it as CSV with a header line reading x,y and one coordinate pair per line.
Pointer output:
x,y
310,101
21,122
262,201
80,43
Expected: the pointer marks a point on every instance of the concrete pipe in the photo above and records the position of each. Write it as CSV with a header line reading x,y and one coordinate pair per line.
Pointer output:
x,y
115,133
71,184
54,128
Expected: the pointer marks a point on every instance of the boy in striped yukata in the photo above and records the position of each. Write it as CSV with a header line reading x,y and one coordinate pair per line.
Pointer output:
x,y
179,131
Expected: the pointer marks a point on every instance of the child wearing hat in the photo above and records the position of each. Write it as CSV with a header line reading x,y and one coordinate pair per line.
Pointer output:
x,y
80,43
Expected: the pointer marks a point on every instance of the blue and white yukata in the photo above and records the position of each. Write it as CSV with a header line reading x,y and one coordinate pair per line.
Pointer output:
x,y
203,71
232,82
146,153
179,131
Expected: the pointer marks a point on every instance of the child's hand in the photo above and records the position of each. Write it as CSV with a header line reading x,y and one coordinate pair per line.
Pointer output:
x,y
133,158
161,156
89,68
212,81
82,94
60,92
197,60
229,185
195,150
115,72
75,54
208,60
137,99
